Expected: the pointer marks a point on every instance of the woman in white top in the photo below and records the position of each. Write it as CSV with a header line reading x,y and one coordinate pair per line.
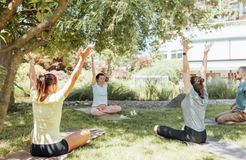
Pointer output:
x,y
193,105
100,93
47,109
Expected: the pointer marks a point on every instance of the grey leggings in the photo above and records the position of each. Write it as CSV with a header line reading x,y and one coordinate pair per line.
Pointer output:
x,y
188,134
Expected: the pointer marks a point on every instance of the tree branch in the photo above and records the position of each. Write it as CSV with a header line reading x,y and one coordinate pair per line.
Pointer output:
x,y
48,23
32,47
8,13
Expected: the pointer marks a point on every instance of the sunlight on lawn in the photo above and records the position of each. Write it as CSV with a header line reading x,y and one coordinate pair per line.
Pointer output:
x,y
126,139
149,147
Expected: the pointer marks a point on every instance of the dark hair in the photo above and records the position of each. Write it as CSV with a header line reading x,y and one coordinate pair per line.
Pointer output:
x,y
197,83
99,74
102,74
243,68
43,82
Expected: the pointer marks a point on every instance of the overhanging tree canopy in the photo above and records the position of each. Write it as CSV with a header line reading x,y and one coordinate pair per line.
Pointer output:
x,y
25,24
124,26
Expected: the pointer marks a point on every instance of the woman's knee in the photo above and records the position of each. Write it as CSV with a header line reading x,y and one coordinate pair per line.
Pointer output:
x,y
220,120
86,134
96,112
93,111
113,109
118,108
156,128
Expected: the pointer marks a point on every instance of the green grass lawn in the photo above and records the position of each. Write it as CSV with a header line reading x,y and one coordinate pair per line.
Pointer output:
x,y
128,139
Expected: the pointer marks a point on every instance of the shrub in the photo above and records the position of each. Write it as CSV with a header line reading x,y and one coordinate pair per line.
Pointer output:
x,y
115,92
220,89
84,93
118,91
59,74
168,91
141,62
22,82
157,91
170,68
22,78
121,73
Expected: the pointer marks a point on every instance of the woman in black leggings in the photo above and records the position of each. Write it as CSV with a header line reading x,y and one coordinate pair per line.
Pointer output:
x,y
193,106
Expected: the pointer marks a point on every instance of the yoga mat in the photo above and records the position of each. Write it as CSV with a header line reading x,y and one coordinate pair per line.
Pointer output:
x,y
221,148
114,117
25,154
211,121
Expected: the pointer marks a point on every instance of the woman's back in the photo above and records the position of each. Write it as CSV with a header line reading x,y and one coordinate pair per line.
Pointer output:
x,y
47,118
194,107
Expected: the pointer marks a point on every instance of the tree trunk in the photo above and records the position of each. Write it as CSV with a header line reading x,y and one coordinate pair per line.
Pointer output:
x,y
12,107
11,62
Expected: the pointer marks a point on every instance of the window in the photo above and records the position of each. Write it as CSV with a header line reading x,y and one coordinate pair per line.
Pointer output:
x,y
176,54
180,55
173,56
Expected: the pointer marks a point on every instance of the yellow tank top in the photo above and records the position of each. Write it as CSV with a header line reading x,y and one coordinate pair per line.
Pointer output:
x,y
47,118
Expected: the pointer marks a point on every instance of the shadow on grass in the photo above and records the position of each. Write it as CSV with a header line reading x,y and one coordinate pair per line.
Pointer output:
x,y
19,124
232,132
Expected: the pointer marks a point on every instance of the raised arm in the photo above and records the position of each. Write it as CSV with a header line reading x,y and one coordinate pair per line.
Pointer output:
x,y
76,72
203,70
32,72
108,73
186,67
93,71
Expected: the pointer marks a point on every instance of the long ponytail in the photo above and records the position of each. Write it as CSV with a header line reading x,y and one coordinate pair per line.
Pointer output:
x,y
41,85
197,83
43,82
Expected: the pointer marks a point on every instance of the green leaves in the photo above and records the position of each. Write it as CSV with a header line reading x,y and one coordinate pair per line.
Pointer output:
x,y
126,26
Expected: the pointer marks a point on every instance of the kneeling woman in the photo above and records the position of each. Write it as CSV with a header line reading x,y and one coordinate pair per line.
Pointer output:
x,y
100,93
193,105
47,110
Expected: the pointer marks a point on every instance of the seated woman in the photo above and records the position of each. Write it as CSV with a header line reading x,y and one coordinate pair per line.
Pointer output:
x,y
193,105
47,110
100,93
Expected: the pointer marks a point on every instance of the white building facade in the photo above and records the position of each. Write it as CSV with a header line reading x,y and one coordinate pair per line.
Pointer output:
x,y
227,54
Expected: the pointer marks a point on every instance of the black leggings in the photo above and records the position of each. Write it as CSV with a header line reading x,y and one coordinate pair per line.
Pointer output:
x,y
49,150
188,134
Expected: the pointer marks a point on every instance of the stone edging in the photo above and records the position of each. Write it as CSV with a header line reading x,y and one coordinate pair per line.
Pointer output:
x,y
146,104
138,104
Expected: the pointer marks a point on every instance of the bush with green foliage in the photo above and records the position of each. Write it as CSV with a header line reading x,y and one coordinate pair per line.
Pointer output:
x,y
170,68
84,93
152,90
221,89
116,91
22,82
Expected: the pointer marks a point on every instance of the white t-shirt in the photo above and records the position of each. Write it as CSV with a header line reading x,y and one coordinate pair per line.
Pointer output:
x,y
100,94
194,108
47,118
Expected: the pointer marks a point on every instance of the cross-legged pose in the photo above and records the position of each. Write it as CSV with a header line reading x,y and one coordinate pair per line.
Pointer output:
x,y
47,110
193,106
100,93
237,113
